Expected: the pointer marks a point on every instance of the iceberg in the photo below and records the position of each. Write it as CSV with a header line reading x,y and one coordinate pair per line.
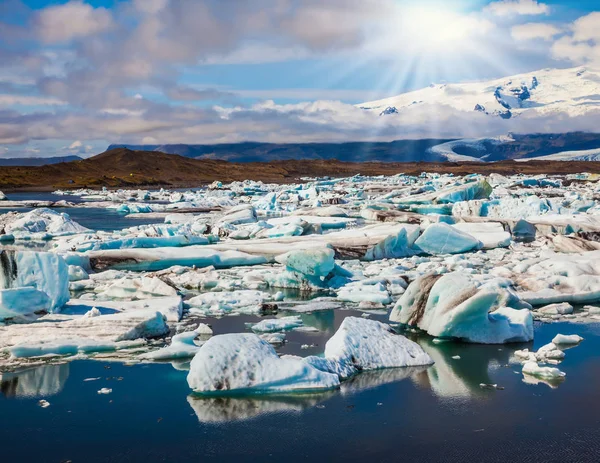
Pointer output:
x,y
244,363
491,234
67,335
42,271
362,345
44,222
457,306
313,262
441,238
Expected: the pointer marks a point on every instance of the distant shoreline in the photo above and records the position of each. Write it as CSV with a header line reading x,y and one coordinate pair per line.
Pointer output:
x,y
123,168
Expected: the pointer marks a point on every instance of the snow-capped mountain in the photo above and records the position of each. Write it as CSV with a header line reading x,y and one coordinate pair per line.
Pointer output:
x,y
574,91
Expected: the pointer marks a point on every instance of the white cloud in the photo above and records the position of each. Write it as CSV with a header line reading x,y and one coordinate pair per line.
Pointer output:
x,y
75,145
518,7
582,44
533,31
62,23
26,100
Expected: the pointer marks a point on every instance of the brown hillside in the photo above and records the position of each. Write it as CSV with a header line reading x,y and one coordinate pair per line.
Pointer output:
x,y
122,167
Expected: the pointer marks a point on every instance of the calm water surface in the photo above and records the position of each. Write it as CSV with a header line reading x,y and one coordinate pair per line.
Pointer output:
x,y
436,414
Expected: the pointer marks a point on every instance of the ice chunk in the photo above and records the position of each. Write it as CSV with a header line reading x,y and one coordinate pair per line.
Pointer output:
x,y
44,222
244,363
163,258
238,215
182,346
365,291
139,288
556,309
21,302
567,339
80,335
76,273
490,234
220,303
42,271
441,238
360,345
313,262
170,307
549,373
277,324
454,306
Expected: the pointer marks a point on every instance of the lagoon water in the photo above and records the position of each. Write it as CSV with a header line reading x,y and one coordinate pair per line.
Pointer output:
x,y
435,414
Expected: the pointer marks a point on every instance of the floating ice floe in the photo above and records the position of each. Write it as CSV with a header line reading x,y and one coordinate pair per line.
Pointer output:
x,y
277,324
61,335
362,345
458,306
548,373
244,363
563,339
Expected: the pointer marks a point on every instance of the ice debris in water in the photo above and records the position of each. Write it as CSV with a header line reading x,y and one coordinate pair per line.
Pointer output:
x,y
43,403
105,391
183,345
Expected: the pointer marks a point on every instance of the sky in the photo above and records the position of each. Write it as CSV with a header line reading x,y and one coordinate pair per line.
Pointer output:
x,y
76,76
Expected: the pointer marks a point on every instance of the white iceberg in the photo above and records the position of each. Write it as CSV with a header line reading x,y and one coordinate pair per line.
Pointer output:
x,y
42,271
244,363
441,238
362,345
313,262
456,306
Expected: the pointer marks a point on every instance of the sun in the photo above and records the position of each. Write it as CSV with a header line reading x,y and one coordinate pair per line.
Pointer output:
x,y
435,28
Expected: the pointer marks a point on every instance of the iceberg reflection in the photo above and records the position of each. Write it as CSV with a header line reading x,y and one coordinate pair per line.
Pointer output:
x,y
459,378
43,381
225,409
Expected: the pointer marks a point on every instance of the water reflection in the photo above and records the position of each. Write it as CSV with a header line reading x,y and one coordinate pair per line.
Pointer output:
x,y
226,409
376,378
43,381
533,381
460,377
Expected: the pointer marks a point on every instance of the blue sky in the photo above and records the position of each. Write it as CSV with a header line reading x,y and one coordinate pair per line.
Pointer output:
x,y
78,75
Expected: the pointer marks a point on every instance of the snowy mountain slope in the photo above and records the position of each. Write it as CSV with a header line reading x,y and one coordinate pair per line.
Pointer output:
x,y
575,91
575,146
582,155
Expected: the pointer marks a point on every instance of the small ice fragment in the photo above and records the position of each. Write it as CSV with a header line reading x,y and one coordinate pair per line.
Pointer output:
x,y
567,339
488,386
533,369
105,390
456,357
44,403
92,379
